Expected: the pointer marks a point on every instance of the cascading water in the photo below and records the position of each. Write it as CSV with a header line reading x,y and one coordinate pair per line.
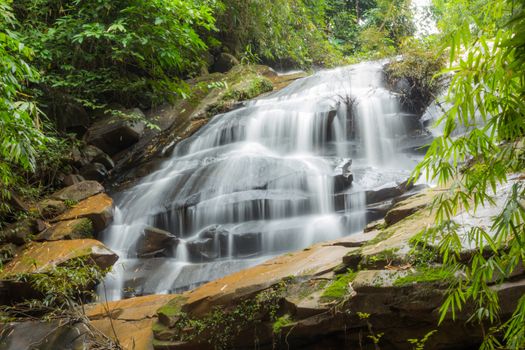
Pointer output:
x,y
262,180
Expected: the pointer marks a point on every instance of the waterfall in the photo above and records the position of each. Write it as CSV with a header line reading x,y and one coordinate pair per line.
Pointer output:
x,y
262,180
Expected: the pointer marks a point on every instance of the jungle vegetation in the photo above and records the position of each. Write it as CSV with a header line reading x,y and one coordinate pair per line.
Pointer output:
x,y
94,53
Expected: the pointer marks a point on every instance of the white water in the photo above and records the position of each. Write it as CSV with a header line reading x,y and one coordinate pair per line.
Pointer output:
x,y
259,181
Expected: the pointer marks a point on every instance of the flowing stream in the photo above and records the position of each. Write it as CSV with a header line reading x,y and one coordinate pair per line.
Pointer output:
x,y
264,179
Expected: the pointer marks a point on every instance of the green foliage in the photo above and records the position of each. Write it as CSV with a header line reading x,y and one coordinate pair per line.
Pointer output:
x,y
417,67
99,51
482,144
338,289
220,326
419,344
64,287
369,28
280,323
256,86
20,134
287,31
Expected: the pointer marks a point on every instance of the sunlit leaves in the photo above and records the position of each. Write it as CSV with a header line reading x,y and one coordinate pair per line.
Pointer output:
x,y
482,144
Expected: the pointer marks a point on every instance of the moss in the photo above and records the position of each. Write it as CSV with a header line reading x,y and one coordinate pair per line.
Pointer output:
x,y
251,88
339,287
84,228
426,275
173,307
281,322
384,257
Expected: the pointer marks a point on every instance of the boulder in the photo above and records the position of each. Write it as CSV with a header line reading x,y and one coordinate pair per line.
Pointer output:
x,y
98,208
19,232
96,155
224,62
49,208
73,118
79,191
45,335
113,134
70,229
408,207
344,180
129,321
154,242
94,171
72,179
76,158
43,257
204,249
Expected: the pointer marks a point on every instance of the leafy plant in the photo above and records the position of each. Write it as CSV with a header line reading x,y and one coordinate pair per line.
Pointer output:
x,y
482,144
20,134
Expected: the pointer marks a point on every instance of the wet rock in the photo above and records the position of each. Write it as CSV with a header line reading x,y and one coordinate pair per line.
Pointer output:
x,y
388,192
155,242
345,179
70,229
214,231
42,257
204,249
98,208
224,62
79,191
247,243
112,134
49,208
94,171
72,179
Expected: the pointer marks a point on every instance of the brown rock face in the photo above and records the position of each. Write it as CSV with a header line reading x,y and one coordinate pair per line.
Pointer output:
x,y
41,257
131,320
79,191
70,229
99,209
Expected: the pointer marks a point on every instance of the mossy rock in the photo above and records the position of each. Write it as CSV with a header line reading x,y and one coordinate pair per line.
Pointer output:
x,y
70,229
169,314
